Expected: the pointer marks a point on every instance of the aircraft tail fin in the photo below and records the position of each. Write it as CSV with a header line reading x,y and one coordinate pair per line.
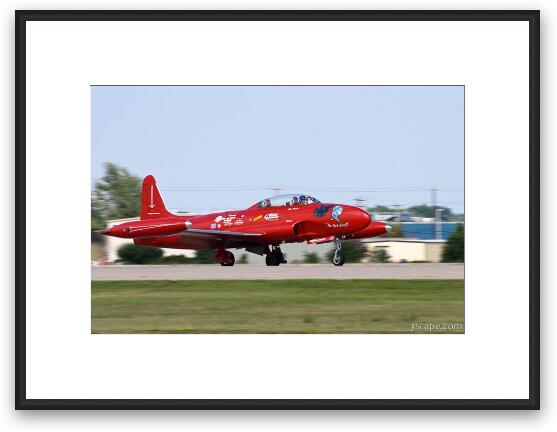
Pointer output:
x,y
152,205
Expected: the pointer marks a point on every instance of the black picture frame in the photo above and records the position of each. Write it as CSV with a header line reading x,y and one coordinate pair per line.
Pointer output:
x,y
531,16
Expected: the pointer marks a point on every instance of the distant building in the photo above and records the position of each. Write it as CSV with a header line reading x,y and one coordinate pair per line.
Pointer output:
x,y
428,231
392,217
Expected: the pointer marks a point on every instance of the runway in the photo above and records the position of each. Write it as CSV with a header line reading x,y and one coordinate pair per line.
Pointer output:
x,y
300,271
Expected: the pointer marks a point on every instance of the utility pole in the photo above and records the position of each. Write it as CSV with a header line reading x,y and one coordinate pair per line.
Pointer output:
x,y
434,200
438,219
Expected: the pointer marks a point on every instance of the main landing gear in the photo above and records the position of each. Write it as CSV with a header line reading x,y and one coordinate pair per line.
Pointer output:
x,y
338,256
225,258
275,257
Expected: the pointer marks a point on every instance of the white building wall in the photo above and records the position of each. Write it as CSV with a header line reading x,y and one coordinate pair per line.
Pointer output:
x,y
399,251
434,251
409,249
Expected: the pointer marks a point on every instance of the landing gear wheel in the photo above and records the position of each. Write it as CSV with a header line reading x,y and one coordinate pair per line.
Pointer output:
x,y
279,256
338,258
231,259
275,257
271,260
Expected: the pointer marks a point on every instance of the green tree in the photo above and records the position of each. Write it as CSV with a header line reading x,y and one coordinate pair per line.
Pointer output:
x,y
354,251
132,254
98,221
116,195
379,255
427,211
380,209
454,247
311,258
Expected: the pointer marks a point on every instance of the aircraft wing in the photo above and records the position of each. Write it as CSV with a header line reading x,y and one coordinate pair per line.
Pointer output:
x,y
200,239
228,235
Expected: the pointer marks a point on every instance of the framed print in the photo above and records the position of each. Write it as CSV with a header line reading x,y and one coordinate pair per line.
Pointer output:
x,y
266,210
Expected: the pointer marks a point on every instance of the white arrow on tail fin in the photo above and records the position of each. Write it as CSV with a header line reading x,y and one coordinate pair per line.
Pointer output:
x,y
152,203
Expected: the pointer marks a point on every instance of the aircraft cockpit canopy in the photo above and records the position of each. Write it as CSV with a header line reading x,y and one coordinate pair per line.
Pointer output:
x,y
287,200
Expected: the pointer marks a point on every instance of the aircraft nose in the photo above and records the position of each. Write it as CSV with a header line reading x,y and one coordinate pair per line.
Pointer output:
x,y
360,218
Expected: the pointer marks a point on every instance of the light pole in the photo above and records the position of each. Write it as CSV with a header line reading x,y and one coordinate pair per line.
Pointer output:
x,y
438,218
434,198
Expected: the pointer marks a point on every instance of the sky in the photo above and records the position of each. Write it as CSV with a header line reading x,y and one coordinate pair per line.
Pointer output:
x,y
226,147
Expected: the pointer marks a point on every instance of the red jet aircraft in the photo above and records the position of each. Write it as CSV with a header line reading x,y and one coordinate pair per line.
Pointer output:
x,y
259,229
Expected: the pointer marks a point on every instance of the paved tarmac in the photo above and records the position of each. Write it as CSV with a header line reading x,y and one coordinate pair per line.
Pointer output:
x,y
288,271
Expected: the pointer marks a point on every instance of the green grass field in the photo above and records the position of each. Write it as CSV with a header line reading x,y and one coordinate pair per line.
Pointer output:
x,y
276,306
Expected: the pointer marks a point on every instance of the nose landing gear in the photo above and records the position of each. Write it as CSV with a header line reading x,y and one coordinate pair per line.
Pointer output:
x,y
338,256
275,257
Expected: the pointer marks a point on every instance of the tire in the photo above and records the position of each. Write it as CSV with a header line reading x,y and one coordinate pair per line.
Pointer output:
x,y
280,257
338,258
231,263
272,260
269,259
